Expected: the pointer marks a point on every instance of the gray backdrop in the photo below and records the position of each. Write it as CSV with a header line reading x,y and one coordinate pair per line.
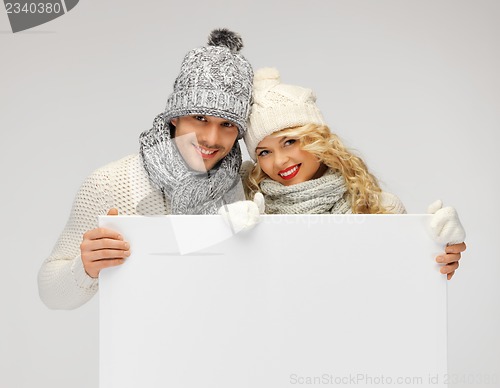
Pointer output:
x,y
412,85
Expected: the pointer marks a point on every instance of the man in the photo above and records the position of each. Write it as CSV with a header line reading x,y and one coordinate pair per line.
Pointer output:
x,y
188,164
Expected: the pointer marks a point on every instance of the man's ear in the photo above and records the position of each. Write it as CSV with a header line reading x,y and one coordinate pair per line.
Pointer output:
x,y
174,121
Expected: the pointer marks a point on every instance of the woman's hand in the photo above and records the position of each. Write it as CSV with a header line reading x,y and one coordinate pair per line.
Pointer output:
x,y
243,215
446,228
450,259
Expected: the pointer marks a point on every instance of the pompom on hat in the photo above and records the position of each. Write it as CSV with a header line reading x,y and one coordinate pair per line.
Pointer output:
x,y
278,106
214,80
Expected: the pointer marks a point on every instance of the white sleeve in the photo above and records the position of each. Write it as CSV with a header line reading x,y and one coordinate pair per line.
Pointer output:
x,y
392,203
62,280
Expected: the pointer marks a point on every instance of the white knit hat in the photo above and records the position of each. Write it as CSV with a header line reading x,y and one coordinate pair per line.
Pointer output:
x,y
277,106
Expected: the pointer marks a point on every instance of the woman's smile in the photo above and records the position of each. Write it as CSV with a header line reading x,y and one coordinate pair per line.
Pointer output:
x,y
290,172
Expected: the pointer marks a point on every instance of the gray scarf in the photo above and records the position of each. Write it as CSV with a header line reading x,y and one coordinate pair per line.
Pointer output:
x,y
189,192
316,196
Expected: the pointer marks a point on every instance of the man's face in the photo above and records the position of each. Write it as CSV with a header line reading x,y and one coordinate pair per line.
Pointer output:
x,y
204,140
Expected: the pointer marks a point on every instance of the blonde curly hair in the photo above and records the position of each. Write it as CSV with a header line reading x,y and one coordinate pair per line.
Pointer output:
x,y
362,187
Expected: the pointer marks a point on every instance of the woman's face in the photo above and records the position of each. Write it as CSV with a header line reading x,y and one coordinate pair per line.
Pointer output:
x,y
282,159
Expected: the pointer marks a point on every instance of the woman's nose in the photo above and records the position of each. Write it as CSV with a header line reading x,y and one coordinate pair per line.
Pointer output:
x,y
280,159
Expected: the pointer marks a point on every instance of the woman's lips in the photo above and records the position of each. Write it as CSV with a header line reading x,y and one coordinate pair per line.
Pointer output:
x,y
290,172
205,153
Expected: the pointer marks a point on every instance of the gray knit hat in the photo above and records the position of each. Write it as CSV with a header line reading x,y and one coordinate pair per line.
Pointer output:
x,y
215,81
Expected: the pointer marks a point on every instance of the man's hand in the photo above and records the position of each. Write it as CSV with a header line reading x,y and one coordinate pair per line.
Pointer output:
x,y
103,248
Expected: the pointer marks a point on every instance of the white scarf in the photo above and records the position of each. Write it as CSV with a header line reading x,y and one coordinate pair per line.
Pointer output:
x,y
316,196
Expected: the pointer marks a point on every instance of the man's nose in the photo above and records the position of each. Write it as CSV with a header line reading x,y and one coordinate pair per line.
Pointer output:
x,y
210,135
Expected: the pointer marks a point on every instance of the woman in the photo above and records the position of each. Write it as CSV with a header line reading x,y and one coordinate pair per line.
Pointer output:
x,y
303,168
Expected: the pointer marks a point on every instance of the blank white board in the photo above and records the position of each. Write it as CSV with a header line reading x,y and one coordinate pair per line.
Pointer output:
x,y
300,300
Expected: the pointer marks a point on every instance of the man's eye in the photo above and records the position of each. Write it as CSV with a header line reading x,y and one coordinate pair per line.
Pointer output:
x,y
200,118
263,153
227,124
289,142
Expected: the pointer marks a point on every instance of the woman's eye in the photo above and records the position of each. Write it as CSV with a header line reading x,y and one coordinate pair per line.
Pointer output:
x,y
263,153
289,142
200,118
227,124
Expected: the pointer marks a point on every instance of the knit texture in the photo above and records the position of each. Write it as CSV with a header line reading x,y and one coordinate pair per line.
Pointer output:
x,y
278,106
215,81
124,184
392,203
445,226
189,192
389,201
316,196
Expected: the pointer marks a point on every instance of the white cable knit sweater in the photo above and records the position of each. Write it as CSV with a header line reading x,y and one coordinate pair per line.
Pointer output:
x,y
62,280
